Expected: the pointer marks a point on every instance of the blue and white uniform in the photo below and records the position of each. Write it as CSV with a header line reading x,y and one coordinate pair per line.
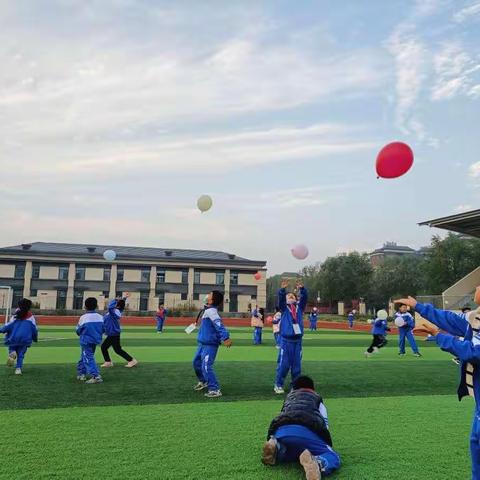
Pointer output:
x,y
351,319
111,320
19,335
211,334
468,351
276,328
379,327
257,329
405,332
90,329
160,317
313,321
291,333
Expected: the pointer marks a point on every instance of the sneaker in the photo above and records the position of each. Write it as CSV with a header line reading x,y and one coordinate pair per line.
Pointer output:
x,y
18,371
418,354
12,356
310,465
107,365
375,350
278,390
456,360
269,454
82,378
367,354
200,386
277,347
98,379
401,354
132,363
213,394
159,331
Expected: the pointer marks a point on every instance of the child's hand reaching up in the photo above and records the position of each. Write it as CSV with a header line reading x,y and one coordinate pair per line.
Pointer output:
x,y
409,301
228,342
285,283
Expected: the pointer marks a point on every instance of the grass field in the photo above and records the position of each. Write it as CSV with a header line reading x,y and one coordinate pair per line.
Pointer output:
x,y
391,418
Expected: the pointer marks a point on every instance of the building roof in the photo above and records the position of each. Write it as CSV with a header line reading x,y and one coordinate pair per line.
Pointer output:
x,y
392,247
126,253
467,223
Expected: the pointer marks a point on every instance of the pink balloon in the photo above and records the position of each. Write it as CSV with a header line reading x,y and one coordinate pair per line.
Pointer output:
x,y
394,160
300,252
258,276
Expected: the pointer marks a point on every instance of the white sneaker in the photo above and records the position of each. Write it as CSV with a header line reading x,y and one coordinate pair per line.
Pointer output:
x,y
18,371
278,390
367,354
375,350
107,365
269,454
310,465
213,394
12,356
82,378
132,363
98,379
200,386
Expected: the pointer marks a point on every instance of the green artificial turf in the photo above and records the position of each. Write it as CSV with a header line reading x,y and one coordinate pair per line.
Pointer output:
x,y
391,417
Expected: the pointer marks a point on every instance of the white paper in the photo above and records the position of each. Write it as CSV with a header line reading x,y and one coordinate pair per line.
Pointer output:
x,y
296,329
190,328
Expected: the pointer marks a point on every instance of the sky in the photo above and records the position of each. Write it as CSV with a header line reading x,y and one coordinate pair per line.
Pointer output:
x,y
116,115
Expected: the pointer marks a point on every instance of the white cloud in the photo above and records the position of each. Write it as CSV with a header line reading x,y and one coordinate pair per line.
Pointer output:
x,y
463,208
467,12
474,170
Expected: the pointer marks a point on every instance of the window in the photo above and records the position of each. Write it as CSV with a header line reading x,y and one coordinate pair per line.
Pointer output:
x,y
63,273
160,276
184,296
61,299
34,292
161,298
143,301
107,274
185,277
80,273
196,296
36,271
106,293
78,300
19,271
119,294
254,297
120,274
145,275
219,278
234,278
196,277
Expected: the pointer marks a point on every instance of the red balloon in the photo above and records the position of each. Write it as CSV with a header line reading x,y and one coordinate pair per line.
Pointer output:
x,y
258,276
394,160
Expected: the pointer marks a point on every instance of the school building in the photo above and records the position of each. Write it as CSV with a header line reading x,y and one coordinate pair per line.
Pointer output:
x,y
59,276
461,293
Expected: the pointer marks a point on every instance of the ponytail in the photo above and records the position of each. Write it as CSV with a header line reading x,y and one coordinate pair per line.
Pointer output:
x,y
24,306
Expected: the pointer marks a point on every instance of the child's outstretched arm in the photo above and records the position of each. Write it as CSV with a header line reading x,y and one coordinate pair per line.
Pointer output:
x,y
303,294
465,350
282,295
446,320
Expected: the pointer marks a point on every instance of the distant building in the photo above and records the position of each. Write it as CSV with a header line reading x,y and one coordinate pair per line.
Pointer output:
x,y
58,276
389,250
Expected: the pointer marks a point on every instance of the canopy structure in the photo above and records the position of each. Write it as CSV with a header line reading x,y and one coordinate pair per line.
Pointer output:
x,y
467,223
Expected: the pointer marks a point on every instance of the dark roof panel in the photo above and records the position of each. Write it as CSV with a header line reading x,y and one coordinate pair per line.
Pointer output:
x,y
146,253
467,223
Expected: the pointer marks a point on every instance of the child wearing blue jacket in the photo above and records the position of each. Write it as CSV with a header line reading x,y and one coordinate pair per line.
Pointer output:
x,y
20,332
291,333
313,319
405,332
111,321
90,329
211,334
160,317
379,332
467,350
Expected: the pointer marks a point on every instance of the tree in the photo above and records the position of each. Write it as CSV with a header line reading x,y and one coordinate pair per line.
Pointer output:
x,y
273,285
450,259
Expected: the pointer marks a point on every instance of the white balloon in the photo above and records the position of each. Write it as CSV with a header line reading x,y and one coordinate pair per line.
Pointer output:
x,y
300,252
204,203
399,322
382,315
109,255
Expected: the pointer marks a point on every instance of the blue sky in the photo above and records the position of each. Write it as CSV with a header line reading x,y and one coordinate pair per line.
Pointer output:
x,y
117,114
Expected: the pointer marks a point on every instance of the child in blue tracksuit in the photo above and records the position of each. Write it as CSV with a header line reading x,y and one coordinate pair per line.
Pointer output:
x,y
20,332
351,318
300,433
291,333
257,324
90,329
211,334
379,332
276,327
405,332
313,319
111,321
160,317
467,350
